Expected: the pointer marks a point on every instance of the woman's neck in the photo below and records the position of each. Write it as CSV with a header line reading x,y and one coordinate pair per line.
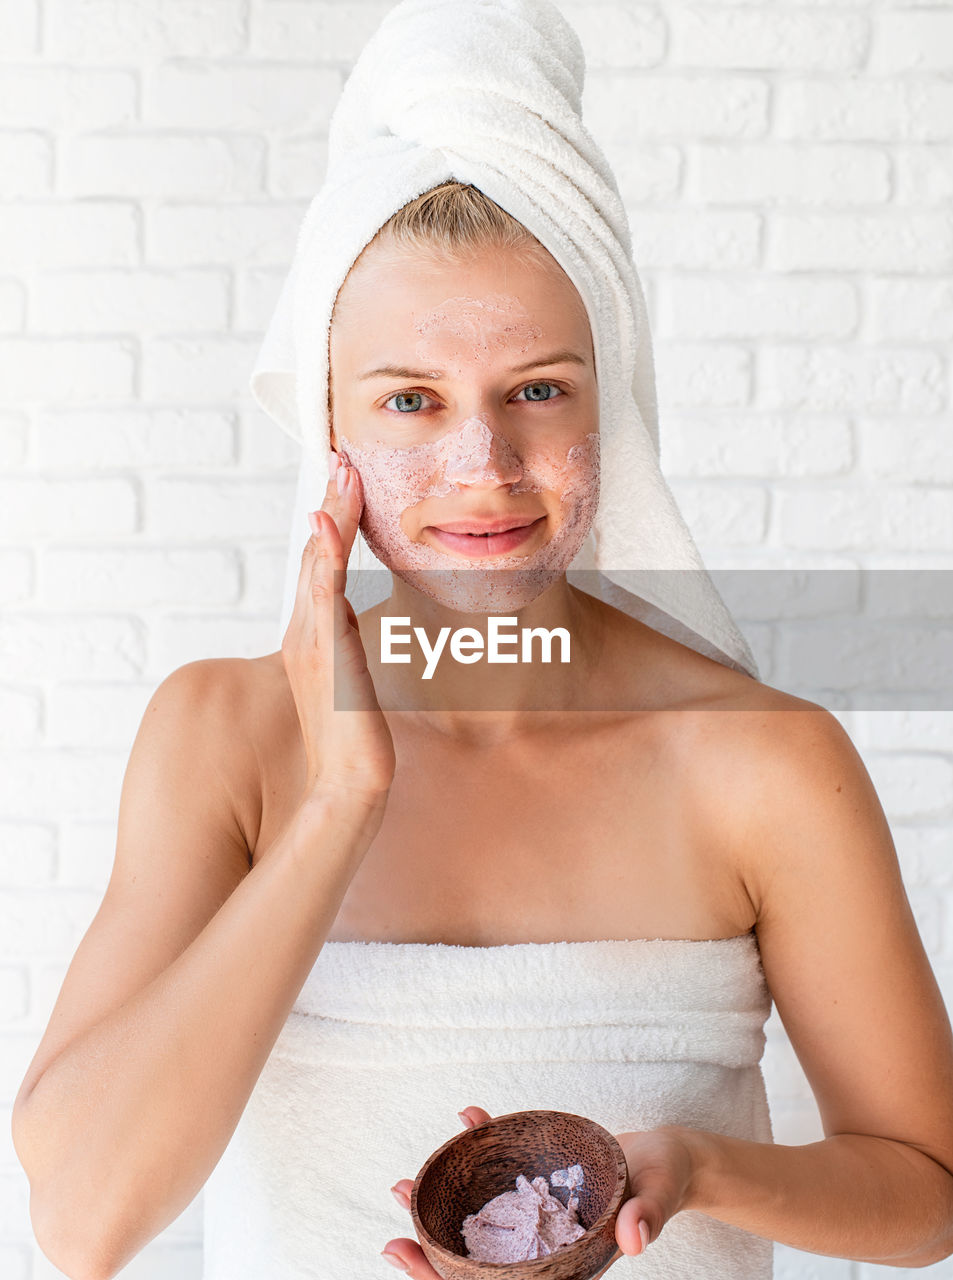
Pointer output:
x,y
491,693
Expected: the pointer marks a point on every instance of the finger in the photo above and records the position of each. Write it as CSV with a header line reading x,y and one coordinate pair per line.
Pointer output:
x,y
319,595
325,557
323,575
346,519
638,1223
303,589
402,1189
329,575
344,505
472,1116
413,1257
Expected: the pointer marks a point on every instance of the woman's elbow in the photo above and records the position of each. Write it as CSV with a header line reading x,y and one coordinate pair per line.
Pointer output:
x,y
78,1258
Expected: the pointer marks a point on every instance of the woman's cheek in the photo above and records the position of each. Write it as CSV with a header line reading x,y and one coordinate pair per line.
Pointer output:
x,y
579,499
572,480
381,521
392,481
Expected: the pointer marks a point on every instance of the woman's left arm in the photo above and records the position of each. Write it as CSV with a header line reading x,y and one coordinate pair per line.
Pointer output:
x,y
855,991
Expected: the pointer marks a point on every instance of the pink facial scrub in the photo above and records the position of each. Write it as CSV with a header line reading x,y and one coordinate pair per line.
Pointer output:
x,y
528,1223
477,573
499,577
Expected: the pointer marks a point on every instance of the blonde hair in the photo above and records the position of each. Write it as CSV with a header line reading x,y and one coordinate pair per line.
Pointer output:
x,y
455,218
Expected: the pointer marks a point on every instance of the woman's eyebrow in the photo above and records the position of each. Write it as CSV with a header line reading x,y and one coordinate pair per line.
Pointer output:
x,y
434,375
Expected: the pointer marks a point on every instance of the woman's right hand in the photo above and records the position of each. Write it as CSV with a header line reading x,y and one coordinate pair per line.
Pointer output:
x,y
350,749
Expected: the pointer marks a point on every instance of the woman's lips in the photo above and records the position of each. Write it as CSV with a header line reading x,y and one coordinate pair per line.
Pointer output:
x,y
478,546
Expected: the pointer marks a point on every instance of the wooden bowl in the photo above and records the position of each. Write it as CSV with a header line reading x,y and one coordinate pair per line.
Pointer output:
x,y
482,1162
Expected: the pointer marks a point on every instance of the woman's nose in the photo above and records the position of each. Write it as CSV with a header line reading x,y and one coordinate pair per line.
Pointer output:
x,y
478,456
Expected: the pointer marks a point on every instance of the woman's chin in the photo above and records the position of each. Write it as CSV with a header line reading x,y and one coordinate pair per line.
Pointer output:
x,y
465,589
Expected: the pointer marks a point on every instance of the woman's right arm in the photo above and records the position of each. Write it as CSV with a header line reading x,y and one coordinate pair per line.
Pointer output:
x,y
188,972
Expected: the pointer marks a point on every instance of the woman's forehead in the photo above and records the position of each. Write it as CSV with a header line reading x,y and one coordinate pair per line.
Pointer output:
x,y
399,295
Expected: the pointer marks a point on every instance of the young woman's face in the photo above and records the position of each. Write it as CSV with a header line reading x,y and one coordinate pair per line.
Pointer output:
x,y
465,395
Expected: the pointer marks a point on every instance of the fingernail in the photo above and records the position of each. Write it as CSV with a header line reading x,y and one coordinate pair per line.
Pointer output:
x,y
314,522
334,463
342,479
644,1233
395,1261
399,1198
467,1122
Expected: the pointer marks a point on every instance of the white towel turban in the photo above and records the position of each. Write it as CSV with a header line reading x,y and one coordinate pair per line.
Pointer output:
x,y
488,92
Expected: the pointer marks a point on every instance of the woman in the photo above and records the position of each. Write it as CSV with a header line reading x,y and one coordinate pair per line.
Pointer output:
x,y
303,833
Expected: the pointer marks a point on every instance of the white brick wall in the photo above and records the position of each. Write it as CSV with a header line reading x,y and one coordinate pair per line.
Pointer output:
x,y
788,170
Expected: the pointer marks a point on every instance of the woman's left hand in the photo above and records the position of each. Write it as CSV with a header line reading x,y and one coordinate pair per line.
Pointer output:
x,y
661,1170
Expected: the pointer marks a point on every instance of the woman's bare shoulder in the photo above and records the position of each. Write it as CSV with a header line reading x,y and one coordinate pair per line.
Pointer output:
x,y
243,705
655,672
778,770
747,749
745,732
221,719
226,687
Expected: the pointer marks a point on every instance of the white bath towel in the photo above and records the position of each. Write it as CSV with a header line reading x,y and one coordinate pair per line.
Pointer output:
x,y
489,92
388,1041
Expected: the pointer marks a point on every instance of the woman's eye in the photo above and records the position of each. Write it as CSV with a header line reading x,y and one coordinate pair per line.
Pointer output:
x,y
405,396
535,386
409,401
